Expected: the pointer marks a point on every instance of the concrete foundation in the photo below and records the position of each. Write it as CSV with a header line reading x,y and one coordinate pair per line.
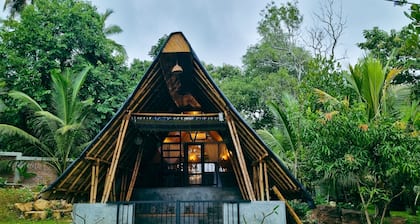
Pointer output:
x,y
267,212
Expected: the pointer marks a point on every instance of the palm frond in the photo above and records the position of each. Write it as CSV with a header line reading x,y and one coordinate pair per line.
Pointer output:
x,y
50,117
112,29
10,130
27,100
324,97
106,14
275,144
78,82
355,78
285,126
389,77
66,128
60,94
373,80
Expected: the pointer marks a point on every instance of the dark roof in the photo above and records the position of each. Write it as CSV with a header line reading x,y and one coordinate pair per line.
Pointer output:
x,y
156,93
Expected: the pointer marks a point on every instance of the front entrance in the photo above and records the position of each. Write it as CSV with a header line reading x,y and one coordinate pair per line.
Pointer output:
x,y
194,161
188,158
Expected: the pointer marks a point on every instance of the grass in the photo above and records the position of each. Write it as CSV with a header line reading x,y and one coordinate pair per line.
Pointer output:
x,y
402,214
8,197
21,221
410,218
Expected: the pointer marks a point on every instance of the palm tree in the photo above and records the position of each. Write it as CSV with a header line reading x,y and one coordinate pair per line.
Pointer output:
x,y
61,134
283,138
112,30
371,83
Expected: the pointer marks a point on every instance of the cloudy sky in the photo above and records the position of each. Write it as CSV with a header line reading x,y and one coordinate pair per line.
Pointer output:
x,y
220,31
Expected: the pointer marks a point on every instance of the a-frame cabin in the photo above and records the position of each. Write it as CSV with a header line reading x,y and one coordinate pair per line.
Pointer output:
x,y
177,133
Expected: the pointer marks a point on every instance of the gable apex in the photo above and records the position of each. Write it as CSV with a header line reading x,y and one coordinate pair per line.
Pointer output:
x,y
176,43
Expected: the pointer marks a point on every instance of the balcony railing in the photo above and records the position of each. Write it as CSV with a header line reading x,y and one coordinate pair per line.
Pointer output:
x,y
179,212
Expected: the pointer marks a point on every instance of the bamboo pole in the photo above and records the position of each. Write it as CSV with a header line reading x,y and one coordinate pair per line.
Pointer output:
x,y
92,185
236,171
134,175
76,168
289,208
255,181
261,180
123,186
175,115
240,156
111,173
94,182
267,190
78,178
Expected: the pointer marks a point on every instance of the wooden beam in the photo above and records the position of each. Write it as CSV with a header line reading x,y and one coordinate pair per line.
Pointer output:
x,y
134,175
115,159
236,171
123,188
289,208
76,168
98,160
94,182
261,180
76,181
240,156
255,181
174,115
267,190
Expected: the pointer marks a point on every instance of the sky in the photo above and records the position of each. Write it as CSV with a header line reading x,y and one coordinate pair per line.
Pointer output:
x,y
220,31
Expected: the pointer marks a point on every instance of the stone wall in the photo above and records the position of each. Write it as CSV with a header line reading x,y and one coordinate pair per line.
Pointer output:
x,y
42,209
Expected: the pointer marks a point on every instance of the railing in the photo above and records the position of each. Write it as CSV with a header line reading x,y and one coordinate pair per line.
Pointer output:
x,y
179,212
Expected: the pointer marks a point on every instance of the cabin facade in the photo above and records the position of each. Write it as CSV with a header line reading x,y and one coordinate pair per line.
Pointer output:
x,y
178,150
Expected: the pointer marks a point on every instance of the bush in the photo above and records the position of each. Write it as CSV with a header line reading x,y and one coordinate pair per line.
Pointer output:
x,y
2,182
10,196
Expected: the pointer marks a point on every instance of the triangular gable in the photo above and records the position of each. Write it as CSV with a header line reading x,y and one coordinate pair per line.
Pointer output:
x,y
160,93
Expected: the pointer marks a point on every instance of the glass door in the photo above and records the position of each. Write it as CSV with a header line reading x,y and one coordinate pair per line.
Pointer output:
x,y
194,159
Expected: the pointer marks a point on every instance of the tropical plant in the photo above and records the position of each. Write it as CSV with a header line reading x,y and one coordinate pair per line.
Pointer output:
x,y
22,168
371,83
374,159
58,134
284,137
112,30
60,34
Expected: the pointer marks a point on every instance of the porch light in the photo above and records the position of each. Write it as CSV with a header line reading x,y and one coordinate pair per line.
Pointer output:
x,y
192,157
177,69
224,157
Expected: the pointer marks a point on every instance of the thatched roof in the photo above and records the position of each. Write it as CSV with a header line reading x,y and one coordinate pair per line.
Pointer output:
x,y
162,94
